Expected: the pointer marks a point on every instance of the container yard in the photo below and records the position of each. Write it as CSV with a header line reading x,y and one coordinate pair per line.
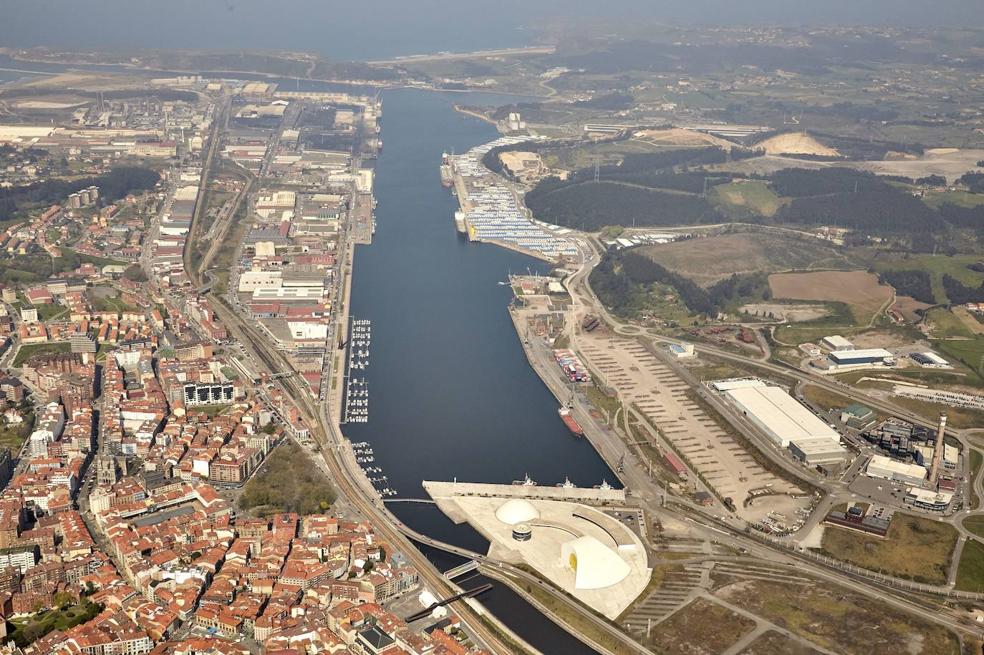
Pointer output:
x,y
572,366
491,210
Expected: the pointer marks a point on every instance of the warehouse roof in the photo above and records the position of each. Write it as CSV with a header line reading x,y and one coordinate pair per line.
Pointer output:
x,y
737,383
782,414
864,353
813,446
884,464
838,341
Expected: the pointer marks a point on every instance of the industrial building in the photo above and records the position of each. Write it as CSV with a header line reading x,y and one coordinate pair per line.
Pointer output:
x,y
285,294
786,421
836,343
929,359
890,469
681,351
927,499
862,357
775,412
252,280
857,416
817,451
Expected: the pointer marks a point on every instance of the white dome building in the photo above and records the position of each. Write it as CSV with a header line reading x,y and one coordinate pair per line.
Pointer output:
x,y
595,566
515,511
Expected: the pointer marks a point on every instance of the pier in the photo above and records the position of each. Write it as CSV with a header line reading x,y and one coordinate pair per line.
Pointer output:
x,y
589,495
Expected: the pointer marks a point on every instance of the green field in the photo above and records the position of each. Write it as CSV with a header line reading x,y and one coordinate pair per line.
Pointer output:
x,y
740,199
958,417
969,352
962,198
288,482
14,436
915,548
840,620
840,320
27,629
700,625
976,459
946,324
96,261
710,259
974,524
50,311
585,156
970,571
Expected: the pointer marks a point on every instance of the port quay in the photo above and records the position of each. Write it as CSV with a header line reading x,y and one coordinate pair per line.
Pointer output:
x,y
491,210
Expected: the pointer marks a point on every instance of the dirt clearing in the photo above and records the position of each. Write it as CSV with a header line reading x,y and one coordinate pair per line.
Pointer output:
x,y
710,259
796,143
676,136
860,290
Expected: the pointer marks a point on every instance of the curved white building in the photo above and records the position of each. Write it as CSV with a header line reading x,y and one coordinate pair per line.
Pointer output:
x,y
595,566
515,511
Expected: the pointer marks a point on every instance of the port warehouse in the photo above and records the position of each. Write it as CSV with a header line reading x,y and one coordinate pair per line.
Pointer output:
x,y
784,420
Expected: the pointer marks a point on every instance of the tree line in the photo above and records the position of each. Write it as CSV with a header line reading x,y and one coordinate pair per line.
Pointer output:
x,y
914,283
959,293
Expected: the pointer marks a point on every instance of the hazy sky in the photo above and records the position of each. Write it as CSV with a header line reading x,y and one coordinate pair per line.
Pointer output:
x,y
381,28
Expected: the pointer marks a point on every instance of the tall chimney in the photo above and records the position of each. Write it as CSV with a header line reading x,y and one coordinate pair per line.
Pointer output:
x,y
934,473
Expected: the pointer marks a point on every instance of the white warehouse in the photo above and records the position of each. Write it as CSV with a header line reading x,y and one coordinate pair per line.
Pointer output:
x,y
775,412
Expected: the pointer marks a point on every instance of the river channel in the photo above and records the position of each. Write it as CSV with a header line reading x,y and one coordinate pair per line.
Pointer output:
x,y
451,394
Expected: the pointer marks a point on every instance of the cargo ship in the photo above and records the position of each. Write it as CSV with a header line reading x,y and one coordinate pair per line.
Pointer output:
x,y
447,171
572,425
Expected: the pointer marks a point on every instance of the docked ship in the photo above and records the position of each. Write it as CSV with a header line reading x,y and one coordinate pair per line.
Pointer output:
x,y
572,425
447,170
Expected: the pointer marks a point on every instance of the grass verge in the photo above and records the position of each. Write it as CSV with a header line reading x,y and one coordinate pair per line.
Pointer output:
x,y
915,548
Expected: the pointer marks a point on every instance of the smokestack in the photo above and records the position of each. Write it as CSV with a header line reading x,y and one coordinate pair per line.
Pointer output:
x,y
934,472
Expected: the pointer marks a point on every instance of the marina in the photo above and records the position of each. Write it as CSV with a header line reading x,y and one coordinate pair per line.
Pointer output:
x,y
356,406
365,456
